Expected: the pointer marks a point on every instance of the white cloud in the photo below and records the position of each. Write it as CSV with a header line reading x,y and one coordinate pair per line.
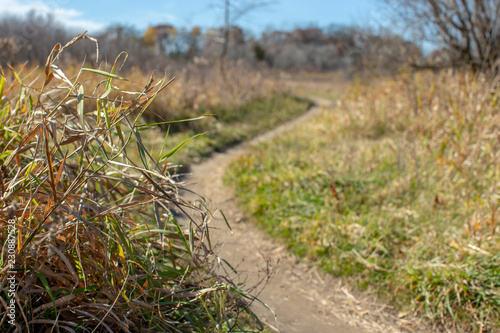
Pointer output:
x,y
71,18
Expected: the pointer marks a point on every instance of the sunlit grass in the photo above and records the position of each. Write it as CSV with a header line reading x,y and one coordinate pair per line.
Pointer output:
x,y
397,188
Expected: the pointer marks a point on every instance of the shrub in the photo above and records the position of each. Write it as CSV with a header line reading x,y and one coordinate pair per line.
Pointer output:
x,y
97,246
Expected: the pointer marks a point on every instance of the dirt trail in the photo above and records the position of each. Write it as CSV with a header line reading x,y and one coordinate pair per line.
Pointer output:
x,y
302,298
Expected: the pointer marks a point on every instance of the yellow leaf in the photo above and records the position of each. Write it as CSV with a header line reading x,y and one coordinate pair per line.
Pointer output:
x,y
120,252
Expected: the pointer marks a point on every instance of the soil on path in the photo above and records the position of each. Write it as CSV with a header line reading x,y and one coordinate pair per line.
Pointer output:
x,y
300,297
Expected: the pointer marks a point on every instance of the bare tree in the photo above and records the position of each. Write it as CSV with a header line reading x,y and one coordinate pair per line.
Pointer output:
x,y
469,29
233,11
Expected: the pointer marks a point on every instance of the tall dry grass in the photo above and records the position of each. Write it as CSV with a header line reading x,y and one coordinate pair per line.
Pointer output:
x,y
200,89
98,247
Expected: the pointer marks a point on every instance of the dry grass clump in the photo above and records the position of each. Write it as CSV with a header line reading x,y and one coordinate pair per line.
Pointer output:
x,y
397,187
202,89
199,89
98,247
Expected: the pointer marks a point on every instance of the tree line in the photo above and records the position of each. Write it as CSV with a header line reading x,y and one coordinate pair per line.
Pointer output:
x,y
462,32
30,38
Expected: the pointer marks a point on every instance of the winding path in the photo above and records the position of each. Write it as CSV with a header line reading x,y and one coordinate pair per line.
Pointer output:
x,y
302,298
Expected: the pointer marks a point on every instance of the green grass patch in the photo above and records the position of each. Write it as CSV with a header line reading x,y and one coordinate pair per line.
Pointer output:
x,y
396,187
227,126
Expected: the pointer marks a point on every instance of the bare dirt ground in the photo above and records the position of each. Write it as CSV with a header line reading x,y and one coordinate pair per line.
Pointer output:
x,y
300,298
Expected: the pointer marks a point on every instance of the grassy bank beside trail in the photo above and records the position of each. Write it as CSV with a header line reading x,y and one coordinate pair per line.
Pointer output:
x,y
397,188
198,103
225,127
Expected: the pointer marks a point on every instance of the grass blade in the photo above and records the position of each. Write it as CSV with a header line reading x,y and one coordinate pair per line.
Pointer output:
x,y
174,150
104,73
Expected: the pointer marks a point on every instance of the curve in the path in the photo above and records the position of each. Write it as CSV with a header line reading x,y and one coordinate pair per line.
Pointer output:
x,y
301,298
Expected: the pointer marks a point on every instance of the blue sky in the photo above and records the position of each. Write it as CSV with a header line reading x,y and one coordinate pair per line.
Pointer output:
x,y
94,15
